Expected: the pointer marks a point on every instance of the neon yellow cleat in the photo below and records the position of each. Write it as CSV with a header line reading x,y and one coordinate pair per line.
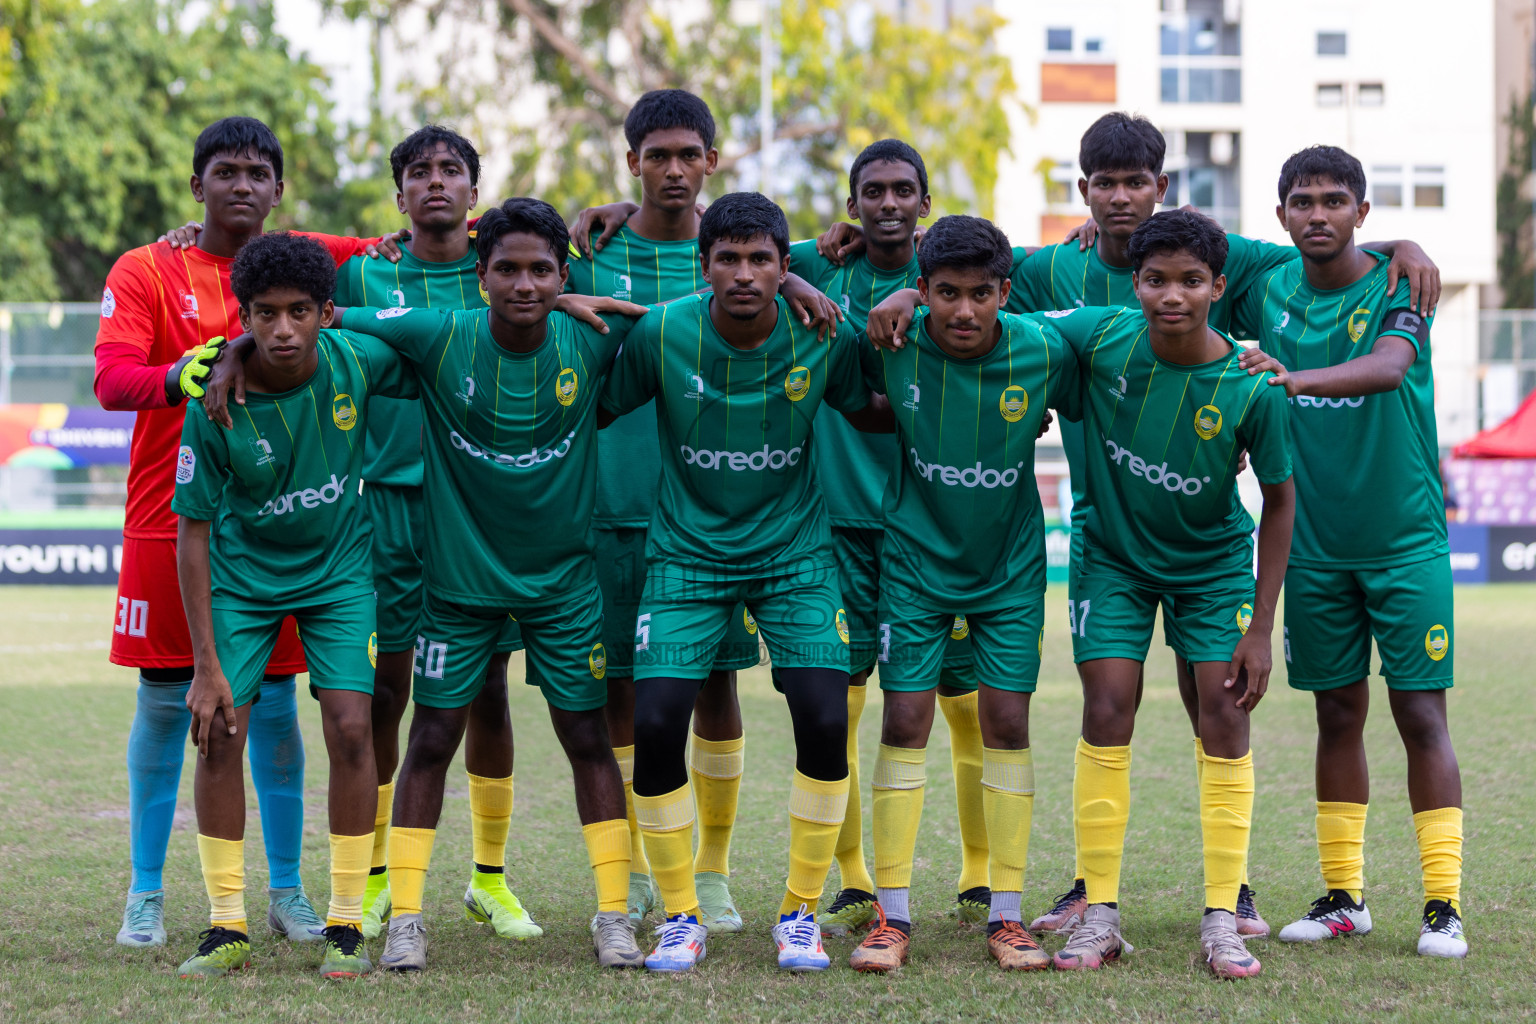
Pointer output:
x,y
489,901
219,951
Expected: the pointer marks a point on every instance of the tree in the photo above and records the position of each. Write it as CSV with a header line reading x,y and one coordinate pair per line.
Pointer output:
x,y
846,76
101,103
1517,267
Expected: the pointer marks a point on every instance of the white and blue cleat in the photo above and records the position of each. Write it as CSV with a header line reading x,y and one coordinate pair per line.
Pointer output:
x,y
679,945
799,940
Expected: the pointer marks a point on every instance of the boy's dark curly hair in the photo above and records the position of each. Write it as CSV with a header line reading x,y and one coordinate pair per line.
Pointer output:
x,y
282,260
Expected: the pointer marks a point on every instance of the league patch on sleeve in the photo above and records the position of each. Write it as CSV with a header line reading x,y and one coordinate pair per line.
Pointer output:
x,y
108,304
186,465
392,312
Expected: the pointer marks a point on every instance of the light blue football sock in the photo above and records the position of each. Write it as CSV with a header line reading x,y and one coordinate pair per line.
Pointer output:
x,y
157,742
276,750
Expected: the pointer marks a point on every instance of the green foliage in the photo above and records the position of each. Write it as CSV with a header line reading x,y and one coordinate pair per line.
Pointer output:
x,y
102,102
1512,203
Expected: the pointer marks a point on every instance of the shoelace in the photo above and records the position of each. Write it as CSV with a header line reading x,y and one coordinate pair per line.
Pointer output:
x,y
403,929
1226,943
850,898
1066,899
345,937
1013,934
213,938
1323,906
799,932
298,908
675,934
1441,919
1090,934
1245,906
143,917
613,929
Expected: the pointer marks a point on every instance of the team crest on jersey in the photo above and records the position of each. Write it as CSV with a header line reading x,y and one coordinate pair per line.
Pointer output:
x,y
749,622
1437,642
1244,618
911,393
565,386
961,628
485,296
262,449
373,649
842,625
623,287
597,661
343,412
1357,323
186,465
108,304
1013,403
1207,421
797,383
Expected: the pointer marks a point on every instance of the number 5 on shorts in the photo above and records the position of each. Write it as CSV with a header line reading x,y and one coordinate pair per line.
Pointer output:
x,y
643,632
1077,617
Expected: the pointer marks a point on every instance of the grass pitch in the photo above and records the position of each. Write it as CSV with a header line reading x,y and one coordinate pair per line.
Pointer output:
x,y
64,715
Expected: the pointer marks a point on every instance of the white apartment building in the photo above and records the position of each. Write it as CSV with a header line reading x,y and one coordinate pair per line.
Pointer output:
x,y
1407,86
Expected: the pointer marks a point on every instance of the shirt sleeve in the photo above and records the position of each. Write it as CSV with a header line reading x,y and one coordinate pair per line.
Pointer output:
x,y
810,264
604,347
872,362
341,248
388,374
634,379
1078,328
125,379
1249,261
1026,293
1065,379
202,466
349,275
582,277
410,331
847,389
1247,311
1265,433
1400,321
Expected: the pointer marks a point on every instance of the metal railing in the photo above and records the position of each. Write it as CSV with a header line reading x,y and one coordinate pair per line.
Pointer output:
x,y
46,352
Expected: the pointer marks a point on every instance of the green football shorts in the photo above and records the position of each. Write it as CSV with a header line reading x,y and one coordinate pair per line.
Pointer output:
x,y
563,640
620,557
1112,617
684,615
916,638
399,535
1332,614
340,645
858,550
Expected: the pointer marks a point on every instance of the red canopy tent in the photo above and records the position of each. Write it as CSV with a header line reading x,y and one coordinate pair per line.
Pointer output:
x,y
1515,438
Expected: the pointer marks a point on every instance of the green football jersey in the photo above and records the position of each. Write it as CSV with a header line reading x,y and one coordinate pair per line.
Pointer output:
x,y
738,498
963,523
392,453
511,456
1162,447
1368,489
634,269
281,486
852,466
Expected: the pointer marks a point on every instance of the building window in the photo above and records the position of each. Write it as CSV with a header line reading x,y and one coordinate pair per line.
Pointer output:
x,y
1332,44
1060,176
1058,40
1331,95
1372,94
1201,55
1387,185
1428,186
1093,45
1204,171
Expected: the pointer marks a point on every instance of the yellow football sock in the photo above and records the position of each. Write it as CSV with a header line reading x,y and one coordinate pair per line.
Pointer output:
x,y
410,854
608,853
816,810
381,825
966,757
714,767
1102,792
349,876
1008,796
666,825
1077,835
223,863
850,838
1341,846
490,816
626,758
1226,820
1199,774
900,778
1439,833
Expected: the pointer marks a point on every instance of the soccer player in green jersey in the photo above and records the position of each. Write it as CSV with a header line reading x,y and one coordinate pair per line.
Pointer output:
x,y
649,254
436,172
888,194
1121,158
1166,413
737,381
1370,559
270,525
510,401
964,537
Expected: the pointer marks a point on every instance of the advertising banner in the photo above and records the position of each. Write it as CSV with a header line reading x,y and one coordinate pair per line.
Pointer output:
x,y
1469,553
1511,554
60,557
1495,492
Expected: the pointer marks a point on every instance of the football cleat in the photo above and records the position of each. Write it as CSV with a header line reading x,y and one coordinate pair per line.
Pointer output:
x,y
613,939
143,920
884,948
716,910
853,910
1066,914
292,916
972,906
1095,941
345,954
679,945
642,897
376,904
1249,924
486,902
799,940
1015,949
219,951
1224,950
405,944
1441,934
1332,916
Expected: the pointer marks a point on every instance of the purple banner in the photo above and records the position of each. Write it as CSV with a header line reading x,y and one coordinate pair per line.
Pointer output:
x,y
1492,492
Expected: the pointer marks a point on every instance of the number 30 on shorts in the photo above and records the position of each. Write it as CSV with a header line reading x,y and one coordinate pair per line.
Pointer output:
x,y
1077,616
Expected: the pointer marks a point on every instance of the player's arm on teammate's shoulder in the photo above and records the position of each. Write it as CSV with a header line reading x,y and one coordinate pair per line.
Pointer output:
x,y
599,311
390,375
888,322
856,384
1380,370
341,247
1410,262
634,380
811,305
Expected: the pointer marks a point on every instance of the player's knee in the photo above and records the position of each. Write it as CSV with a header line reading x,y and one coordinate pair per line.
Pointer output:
x,y
904,725
349,738
1342,711
1420,720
